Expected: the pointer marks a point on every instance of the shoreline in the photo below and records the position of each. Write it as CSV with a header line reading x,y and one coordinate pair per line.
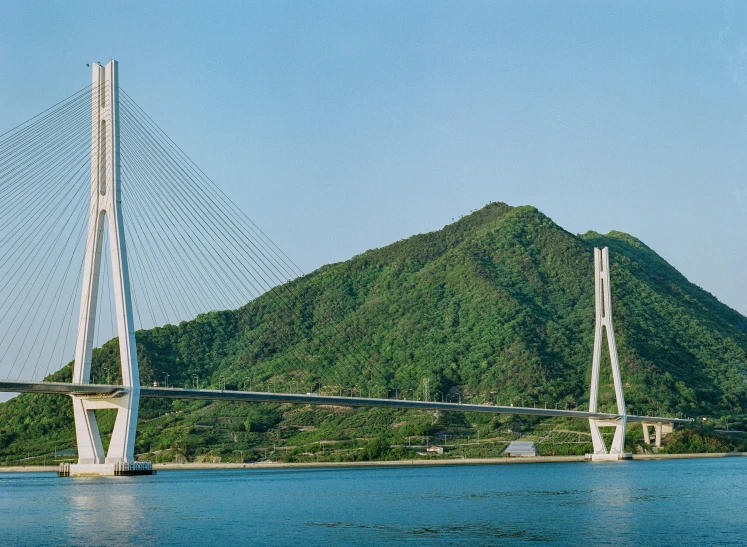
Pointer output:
x,y
394,463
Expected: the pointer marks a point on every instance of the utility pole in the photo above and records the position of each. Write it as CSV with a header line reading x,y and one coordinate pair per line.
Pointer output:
x,y
426,390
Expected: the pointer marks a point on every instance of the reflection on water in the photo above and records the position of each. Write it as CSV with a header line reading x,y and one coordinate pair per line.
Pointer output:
x,y
105,508
627,503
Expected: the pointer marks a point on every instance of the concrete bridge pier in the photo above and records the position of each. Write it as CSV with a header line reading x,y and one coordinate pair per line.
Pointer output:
x,y
603,299
660,429
106,214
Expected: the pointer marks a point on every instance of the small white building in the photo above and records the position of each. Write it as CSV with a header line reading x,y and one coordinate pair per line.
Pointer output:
x,y
522,449
431,450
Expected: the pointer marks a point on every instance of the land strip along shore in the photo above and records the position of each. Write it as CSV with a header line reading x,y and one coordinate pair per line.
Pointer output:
x,y
395,463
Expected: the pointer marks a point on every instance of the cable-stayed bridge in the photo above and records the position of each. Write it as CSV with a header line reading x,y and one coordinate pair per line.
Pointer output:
x,y
107,227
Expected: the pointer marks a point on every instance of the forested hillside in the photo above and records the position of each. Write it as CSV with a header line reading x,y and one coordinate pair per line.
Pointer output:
x,y
498,306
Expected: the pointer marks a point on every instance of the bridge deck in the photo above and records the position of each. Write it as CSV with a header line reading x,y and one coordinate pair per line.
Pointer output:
x,y
98,390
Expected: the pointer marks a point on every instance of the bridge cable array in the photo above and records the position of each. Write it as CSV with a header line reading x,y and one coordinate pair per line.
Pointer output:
x,y
191,251
44,182
214,243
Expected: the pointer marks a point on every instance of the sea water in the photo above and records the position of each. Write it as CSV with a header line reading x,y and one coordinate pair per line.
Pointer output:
x,y
670,502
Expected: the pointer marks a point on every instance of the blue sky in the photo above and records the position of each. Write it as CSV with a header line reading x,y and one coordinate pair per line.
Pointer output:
x,y
343,126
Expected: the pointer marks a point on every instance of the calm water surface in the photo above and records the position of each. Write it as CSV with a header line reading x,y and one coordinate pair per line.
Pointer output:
x,y
701,502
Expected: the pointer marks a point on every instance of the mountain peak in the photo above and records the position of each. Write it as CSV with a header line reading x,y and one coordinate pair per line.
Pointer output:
x,y
498,305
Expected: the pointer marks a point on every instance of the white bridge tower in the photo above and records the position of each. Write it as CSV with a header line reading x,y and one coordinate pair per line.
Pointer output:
x,y
106,214
603,299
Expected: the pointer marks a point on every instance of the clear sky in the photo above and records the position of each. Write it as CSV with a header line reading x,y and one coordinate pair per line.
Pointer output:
x,y
340,127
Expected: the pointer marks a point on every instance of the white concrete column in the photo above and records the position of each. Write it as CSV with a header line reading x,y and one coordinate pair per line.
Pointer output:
x,y
596,434
106,213
618,442
603,306
646,436
90,450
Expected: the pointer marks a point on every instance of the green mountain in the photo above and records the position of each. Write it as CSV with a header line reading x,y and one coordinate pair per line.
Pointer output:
x,y
498,306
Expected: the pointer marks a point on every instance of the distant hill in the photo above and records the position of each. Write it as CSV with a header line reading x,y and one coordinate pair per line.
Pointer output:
x,y
497,306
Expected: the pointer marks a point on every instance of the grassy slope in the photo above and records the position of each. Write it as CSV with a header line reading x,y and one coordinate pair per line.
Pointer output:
x,y
496,306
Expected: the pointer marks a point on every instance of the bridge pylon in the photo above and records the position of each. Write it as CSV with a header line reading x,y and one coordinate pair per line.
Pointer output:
x,y
106,214
603,300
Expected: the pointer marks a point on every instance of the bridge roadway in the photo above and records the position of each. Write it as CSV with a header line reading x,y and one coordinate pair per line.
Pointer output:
x,y
103,390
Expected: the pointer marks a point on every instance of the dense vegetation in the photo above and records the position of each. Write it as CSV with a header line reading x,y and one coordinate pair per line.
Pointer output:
x,y
498,306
